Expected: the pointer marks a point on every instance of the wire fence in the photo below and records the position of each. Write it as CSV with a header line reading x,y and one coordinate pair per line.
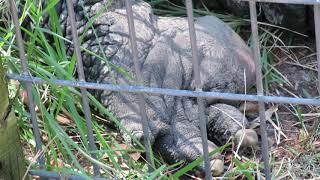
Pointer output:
x,y
140,89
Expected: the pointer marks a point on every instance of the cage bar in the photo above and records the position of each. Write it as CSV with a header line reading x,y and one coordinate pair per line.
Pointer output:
x,y
57,175
306,2
256,53
317,32
196,70
81,76
25,72
139,89
139,78
170,92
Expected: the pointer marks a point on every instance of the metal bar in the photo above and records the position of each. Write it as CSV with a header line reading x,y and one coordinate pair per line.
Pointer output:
x,y
25,72
171,92
85,101
263,124
141,89
139,78
317,32
306,2
196,70
56,175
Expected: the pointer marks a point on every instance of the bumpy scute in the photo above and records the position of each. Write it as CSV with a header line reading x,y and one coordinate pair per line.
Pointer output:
x,y
166,62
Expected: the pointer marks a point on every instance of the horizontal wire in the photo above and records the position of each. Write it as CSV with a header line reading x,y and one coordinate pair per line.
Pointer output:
x,y
56,175
166,91
306,2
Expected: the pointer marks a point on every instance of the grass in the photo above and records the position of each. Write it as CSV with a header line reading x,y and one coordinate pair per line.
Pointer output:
x,y
167,8
50,61
65,144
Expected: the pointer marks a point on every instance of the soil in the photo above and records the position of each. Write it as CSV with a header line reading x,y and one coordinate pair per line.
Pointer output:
x,y
300,146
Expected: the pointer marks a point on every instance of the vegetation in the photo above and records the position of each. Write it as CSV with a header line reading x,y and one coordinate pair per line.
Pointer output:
x,y
60,114
12,165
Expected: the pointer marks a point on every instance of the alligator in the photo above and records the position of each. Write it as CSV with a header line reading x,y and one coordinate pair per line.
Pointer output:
x,y
165,58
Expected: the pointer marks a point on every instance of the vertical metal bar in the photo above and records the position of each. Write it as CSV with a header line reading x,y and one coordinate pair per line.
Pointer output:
x,y
196,69
141,101
256,51
317,31
85,101
24,65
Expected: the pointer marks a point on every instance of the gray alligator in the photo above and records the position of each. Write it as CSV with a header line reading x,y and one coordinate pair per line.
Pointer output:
x,y
165,59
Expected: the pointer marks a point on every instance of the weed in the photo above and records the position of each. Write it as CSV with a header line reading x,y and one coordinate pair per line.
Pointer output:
x,y
68,145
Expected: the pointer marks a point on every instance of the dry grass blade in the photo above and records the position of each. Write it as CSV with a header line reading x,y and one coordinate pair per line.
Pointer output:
x,y
268,114
38,154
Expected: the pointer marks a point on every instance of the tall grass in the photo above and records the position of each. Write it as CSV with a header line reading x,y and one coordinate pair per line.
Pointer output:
x,y
49,60
65,144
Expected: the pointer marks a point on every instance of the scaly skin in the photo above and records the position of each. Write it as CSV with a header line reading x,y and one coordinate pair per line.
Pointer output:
x,y
166,62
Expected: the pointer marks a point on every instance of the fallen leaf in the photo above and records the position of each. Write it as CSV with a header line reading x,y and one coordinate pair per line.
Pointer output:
x,y
24,97
25,100
57,164
134,155
45,138
63,120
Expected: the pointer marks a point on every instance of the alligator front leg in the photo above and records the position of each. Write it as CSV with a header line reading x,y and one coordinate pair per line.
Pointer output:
x,y
226,122
185,144
183,141
125,107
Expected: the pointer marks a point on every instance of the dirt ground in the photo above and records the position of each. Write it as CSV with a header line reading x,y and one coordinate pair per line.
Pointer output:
x,y
295,146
